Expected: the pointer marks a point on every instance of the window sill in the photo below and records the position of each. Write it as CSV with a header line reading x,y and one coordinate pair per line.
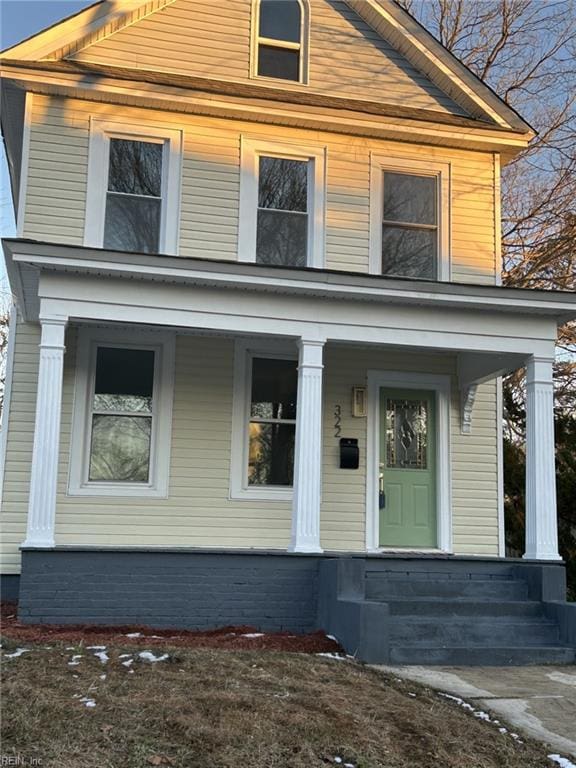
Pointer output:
x,y
124,490
261,494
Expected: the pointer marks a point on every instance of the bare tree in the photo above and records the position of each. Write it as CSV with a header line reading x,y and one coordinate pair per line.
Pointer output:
x,y
526,51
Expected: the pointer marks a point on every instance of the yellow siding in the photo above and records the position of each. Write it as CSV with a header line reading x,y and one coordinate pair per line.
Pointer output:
x,y
19,446
198,511
207,39
211,185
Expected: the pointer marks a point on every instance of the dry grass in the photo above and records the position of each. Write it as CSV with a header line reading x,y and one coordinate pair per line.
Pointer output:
x,y
210,708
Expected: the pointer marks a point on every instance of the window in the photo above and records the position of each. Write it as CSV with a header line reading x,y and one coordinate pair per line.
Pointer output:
x,y
122,414
264,421
282,224
133,195
279,39
272,422
410,212
282,205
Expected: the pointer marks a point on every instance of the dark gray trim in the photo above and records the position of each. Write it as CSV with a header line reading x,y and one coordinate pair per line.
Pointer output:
x,y
9,587
391,608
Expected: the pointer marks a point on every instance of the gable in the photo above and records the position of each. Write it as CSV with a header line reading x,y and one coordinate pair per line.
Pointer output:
x,y
347,58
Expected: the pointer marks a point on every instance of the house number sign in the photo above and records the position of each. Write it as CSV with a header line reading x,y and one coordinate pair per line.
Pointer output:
x,y
337,420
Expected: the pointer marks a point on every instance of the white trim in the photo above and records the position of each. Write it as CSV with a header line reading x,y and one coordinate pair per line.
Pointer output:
x,y
101,131
11,345
244,352
500,468
41,518
308,454
380,163
24,164
163,344
303,46
441,385
250,150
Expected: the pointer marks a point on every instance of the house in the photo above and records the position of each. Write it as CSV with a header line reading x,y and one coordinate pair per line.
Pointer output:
x,y
255,366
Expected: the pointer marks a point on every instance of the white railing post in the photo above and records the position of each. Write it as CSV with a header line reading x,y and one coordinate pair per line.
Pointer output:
x,y
308,450
541,522
44,470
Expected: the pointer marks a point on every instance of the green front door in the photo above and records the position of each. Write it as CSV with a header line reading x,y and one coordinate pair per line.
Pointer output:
x,y
407,492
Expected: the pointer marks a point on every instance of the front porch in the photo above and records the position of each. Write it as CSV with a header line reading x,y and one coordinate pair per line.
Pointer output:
x,y
348,333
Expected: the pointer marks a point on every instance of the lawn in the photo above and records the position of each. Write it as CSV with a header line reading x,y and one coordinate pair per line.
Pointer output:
x,y
74,706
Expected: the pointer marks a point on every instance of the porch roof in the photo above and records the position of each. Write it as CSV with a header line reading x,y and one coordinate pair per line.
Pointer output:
x,y
26,259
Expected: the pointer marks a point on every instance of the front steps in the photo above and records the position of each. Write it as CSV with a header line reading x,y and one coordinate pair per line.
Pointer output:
x,y
448,611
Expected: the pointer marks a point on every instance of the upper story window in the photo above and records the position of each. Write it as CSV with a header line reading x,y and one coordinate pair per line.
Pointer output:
x,y
133,195
282,223
410,225
282,201
410,219
281,39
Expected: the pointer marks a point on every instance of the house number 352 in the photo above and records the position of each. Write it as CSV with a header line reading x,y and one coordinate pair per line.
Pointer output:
x,y
337,420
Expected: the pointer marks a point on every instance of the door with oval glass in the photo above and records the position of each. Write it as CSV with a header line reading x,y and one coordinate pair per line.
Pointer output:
x,y
407,469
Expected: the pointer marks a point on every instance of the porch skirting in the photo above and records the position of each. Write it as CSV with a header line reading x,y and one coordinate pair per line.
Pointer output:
x,y
383,608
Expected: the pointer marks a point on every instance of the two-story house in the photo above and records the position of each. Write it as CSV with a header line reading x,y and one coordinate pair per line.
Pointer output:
x,y
255,360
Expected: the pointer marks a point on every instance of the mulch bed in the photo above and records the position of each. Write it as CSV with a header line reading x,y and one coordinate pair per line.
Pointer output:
x,y
232,637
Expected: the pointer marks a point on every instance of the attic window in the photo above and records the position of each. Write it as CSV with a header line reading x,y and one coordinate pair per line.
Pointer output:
x,y
280,39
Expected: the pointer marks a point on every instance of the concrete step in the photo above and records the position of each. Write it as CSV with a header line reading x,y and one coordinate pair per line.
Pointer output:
x,y
462,606
384,588
486,631
470,656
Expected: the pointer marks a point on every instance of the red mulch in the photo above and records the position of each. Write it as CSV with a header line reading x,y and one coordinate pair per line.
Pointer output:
x,y
226,637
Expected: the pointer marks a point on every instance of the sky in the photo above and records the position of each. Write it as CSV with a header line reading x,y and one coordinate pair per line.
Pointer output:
x,y
18,20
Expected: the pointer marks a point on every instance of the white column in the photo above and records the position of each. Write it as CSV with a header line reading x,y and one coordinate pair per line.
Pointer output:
x,y
44,471
308,452
541,522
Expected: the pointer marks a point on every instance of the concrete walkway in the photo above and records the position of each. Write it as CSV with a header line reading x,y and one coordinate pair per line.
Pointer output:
x,y
538,701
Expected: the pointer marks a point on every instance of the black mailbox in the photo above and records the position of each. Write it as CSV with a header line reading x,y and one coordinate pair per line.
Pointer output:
x,y
349,453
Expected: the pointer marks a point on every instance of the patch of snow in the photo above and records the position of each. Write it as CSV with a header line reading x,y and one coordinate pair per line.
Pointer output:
x,y
480,714
130,671
125,656
102,655
96,647
561,761
332,656
17,652
102,677
413,695
149,656
134,634
88,702
331,637
253,634
73,663
338,760
71,648
128,662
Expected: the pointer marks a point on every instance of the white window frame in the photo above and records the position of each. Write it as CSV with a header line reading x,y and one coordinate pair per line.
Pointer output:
x,y
250,152
163,345
303,46
101,131
380,164
244,353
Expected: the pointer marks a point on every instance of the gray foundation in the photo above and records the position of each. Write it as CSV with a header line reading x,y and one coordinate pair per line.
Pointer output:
x,y
386,609
9,587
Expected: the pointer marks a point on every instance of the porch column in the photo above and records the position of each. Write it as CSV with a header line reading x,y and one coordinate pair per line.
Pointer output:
x,y
44,470
541,522
308,450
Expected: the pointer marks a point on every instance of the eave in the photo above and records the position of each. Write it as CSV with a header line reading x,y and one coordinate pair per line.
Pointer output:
x,y
26,259
194,95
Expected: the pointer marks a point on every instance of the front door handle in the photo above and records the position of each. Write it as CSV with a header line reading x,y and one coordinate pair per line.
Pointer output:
x,y
381,494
